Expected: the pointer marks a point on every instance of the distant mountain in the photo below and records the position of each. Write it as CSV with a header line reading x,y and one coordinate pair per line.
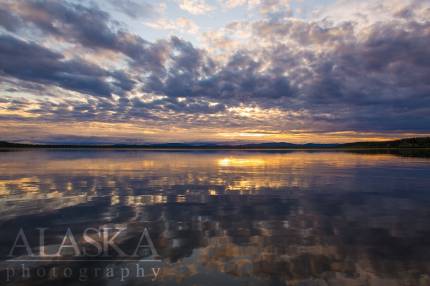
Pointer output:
x,y
270,145
421,142
287,145
4,144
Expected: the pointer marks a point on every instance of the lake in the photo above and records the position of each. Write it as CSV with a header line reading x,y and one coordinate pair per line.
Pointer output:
x,y
139,217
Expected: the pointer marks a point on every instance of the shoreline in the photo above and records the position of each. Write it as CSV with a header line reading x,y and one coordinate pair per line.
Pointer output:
x,y
209,148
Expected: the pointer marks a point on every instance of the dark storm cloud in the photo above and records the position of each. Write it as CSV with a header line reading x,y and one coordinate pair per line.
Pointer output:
x,y
32,62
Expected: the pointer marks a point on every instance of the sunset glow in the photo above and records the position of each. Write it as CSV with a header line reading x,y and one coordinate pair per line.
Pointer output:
x,y
220,71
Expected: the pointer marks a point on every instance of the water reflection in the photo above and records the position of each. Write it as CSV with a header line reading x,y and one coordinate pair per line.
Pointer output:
x,y
236,218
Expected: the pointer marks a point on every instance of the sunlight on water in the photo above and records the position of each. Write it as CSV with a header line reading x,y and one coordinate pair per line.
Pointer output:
x,y
248,162
53,174
238,218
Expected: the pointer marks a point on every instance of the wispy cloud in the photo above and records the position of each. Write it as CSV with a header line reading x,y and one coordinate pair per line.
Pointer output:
x,y
195,7
138,9
180,25
230,4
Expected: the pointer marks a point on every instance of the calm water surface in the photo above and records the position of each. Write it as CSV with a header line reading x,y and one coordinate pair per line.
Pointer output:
x,y
226,217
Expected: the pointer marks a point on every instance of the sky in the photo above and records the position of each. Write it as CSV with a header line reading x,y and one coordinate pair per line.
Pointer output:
x,y
140,71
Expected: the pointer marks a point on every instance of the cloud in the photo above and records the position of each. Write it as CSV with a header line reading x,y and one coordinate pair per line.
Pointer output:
x,y
231,4
195,7
9,21
86,25
75,23
180,25
273,73
274,9
138,9
48,67
343,76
